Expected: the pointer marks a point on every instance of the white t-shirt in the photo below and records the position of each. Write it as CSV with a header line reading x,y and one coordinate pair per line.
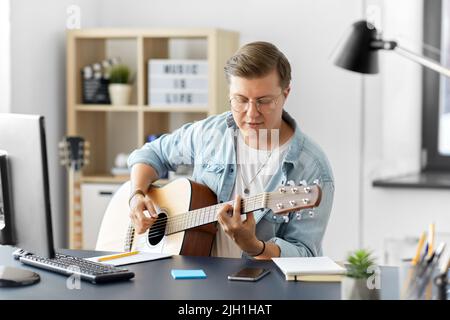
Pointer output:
x,y
255,168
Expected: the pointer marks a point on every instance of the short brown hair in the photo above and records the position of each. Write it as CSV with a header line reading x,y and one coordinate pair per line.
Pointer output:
x,y
257,59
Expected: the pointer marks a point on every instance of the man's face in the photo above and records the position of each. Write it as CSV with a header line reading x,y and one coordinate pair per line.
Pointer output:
x,y
267,93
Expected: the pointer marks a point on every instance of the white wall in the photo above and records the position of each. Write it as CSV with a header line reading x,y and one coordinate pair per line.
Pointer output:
x,y
325,100
38,80
5,55
393,137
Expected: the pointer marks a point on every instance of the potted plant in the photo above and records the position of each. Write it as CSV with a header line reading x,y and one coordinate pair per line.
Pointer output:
x,y
362,280
119,87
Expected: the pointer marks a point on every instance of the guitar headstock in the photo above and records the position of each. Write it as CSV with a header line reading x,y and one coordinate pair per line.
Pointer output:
x,y
74,152
293,198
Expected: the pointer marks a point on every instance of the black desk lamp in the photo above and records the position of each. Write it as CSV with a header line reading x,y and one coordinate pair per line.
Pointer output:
x,y
359,52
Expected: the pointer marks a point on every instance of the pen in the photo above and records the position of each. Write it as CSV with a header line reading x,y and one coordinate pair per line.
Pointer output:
x,y
116,256
445,266
431,240
419,249
439,251
433,260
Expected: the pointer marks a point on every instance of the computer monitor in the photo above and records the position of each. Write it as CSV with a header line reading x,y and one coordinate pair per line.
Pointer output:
x,y
22,139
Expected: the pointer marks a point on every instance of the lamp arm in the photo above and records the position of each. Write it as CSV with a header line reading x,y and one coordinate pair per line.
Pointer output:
x,y
426,62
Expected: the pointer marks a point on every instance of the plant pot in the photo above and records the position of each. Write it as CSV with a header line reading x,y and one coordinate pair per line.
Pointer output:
x,y
119,94
358,289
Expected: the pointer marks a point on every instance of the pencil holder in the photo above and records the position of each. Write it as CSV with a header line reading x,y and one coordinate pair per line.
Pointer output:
x,y
416,281
409,282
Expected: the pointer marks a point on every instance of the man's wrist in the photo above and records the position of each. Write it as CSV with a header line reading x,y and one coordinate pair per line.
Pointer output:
x,y
259,248
135,193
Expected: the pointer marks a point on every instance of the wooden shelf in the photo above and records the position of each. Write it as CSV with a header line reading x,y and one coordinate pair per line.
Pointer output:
x,y
135,108
115,179
105,179
106,108
121,33
187,109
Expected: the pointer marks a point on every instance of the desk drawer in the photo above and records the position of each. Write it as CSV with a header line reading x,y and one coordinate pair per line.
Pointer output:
x,y
94,201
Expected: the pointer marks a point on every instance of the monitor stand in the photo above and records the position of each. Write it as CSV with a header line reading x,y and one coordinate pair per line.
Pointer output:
x,y
15,277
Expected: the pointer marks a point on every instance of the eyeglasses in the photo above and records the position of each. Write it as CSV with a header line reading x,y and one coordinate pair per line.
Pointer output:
x,y
264,105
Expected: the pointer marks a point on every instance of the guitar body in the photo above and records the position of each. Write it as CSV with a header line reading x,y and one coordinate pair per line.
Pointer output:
x,y
173,200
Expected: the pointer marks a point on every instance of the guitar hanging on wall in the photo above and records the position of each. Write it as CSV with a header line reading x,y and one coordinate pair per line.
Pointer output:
x,y
73,155
186,214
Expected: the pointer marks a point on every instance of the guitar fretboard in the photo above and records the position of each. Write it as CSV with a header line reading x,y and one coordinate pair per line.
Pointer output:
x,y
75,218
195,218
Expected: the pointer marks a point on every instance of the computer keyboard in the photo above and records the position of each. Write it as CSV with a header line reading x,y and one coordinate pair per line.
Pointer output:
x,y
87,270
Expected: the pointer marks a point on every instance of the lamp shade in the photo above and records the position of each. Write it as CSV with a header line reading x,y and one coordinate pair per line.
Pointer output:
x,y
356,53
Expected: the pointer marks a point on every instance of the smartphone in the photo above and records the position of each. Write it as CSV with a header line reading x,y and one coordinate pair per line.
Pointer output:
x,y
249,274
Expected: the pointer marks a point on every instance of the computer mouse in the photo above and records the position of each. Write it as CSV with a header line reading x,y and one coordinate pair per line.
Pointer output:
x,y
15,277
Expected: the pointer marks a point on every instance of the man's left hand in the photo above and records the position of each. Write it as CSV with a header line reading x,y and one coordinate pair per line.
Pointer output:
x,y
242,232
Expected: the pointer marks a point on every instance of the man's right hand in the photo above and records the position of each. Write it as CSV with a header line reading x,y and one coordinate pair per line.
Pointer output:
x,y
138,206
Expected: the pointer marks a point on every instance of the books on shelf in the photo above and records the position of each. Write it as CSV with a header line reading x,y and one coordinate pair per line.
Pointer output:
x,y
317,269
177,82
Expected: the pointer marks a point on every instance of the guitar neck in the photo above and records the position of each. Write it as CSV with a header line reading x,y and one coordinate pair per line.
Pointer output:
x,y
198,217
75,221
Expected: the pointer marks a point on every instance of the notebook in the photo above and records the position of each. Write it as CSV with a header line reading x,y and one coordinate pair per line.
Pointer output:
x,y
316,278
310,269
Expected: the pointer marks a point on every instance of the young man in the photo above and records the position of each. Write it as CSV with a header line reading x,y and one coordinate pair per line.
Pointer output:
x,y
255,147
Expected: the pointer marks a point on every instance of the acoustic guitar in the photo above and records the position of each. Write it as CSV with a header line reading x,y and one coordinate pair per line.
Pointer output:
x,y
187,212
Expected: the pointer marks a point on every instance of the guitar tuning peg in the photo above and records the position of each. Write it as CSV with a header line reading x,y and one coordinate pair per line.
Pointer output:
x,y
291,183
298,216
311,214
286,219
316,182
303,183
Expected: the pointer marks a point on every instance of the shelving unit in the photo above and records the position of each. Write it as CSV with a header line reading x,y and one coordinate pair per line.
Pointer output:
x,y
111,130
121,129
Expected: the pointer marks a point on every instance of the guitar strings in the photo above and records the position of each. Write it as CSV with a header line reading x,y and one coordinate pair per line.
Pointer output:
x,y
153,232
188,215
183,217
161,223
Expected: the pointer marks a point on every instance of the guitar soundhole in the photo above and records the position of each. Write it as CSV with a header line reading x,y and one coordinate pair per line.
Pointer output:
x,y
156,232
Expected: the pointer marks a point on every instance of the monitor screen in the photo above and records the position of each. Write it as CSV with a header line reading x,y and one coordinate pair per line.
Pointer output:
x,y
6,236
2,210
22,137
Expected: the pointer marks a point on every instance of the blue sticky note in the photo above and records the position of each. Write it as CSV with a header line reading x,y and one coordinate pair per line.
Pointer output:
x,y
188,274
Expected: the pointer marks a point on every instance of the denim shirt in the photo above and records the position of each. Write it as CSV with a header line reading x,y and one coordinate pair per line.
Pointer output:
x,y
209,146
